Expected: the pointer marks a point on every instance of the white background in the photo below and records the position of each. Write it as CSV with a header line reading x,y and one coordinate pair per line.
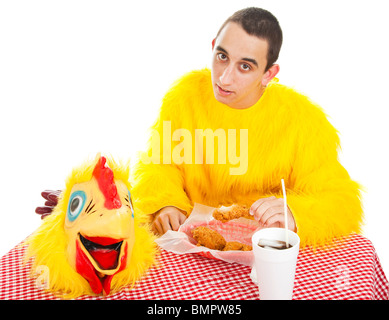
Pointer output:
x,y
81,77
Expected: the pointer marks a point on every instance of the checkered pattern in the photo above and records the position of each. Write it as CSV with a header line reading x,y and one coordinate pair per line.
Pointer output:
x,y
349,271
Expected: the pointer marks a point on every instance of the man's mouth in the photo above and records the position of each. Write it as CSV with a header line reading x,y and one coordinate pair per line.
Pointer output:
x,y
98,259
223,92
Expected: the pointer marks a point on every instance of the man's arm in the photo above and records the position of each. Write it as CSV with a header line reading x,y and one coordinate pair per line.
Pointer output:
x,y
159,187
325,201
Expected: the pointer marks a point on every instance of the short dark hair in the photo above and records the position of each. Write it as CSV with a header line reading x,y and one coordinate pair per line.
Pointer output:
x,y
260,23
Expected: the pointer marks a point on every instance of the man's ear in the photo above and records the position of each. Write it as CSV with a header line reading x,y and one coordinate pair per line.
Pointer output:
x,y
270,74
213,43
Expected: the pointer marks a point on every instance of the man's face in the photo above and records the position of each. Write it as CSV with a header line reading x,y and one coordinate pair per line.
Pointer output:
x,y
238,67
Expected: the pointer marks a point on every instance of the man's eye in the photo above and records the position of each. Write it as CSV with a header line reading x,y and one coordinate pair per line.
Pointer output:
x,y
245,67
222,56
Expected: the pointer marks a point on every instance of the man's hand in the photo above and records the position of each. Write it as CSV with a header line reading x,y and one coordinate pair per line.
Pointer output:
x,y
269,212
168,218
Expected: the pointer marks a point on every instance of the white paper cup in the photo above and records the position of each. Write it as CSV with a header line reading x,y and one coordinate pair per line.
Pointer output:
x,y
275,268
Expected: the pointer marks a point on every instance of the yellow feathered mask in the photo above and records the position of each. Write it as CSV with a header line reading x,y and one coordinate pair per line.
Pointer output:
x,y
93,242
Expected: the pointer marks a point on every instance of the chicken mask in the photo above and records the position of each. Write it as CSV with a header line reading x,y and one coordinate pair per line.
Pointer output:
x,y
93,242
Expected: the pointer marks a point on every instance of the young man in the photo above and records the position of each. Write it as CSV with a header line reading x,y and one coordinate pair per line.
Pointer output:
x,y
265,132
277,132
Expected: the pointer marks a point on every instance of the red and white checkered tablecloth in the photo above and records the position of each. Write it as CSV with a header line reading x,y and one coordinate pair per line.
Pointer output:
x,y
352,271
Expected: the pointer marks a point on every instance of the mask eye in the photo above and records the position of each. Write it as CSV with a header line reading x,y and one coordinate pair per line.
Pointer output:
x,y
76,204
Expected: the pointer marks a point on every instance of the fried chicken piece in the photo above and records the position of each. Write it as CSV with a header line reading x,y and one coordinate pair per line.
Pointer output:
x,y
234,212
235,245
208,238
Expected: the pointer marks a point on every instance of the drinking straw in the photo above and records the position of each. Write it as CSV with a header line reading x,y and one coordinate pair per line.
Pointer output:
x,y
285,214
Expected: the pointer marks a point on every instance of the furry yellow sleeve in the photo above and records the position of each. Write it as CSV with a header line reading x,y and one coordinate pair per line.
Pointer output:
x,y
325,204
324,199
157,186
157,181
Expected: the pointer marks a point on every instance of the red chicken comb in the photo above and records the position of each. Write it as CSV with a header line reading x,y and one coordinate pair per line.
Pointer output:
x,y
104,177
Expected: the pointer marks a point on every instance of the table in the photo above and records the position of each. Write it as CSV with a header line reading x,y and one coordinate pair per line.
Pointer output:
x,y
351,271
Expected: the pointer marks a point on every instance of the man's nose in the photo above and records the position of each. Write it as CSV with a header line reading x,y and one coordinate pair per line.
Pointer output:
x,y
227,76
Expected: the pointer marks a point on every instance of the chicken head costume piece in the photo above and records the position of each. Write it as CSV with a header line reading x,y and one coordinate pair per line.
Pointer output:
x,y
93,242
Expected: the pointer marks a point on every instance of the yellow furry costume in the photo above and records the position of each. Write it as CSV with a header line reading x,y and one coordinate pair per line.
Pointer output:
x,y
53,244
288,137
